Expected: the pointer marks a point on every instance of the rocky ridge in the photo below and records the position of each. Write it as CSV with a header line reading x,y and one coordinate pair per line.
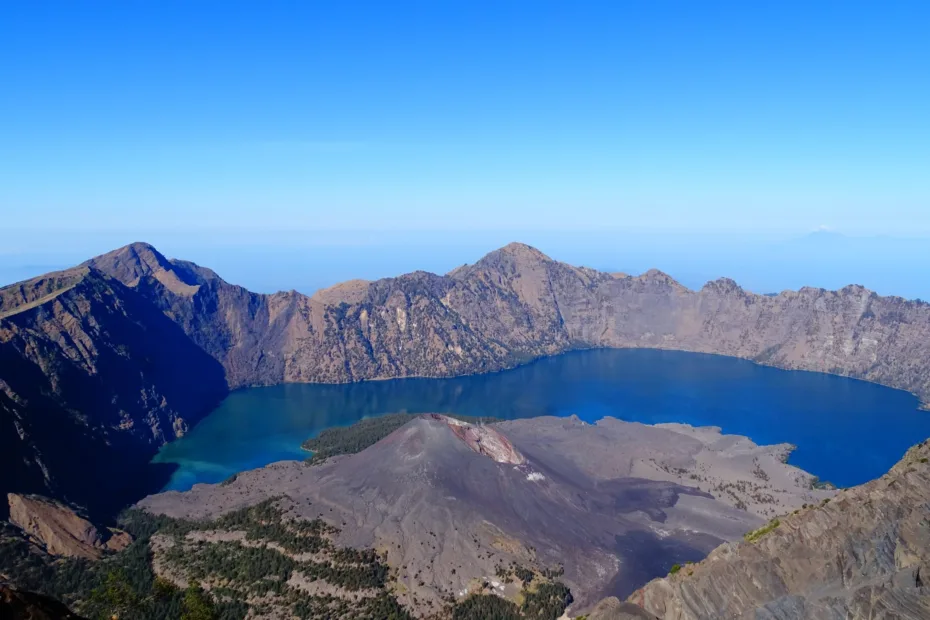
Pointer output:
x,y
517,304
865,554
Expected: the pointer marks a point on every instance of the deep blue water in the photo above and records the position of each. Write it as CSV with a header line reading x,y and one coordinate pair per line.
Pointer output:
x,y
846,431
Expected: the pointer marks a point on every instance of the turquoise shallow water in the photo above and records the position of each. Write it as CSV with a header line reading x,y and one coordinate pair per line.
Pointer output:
x,y
847,431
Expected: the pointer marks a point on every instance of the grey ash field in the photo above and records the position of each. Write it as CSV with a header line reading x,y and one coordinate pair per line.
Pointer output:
x,y
448,504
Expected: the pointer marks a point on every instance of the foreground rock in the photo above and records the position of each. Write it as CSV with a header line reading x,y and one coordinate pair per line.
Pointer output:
x,y
103,363
60,531
865,554
455,507
18,605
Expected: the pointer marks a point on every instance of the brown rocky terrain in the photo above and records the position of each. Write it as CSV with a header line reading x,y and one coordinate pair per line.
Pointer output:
x,y
107,361
450,504
60,530
865,554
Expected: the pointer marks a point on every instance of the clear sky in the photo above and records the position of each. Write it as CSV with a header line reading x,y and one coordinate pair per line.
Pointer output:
x,y
221,119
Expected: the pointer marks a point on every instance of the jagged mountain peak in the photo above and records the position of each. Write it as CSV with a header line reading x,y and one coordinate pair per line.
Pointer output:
x,y
657,276
723,285
512,258
517,248
131,263
139,251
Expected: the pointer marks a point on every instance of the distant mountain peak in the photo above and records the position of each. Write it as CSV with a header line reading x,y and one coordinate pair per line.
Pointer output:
x,y
723,285
130,263
512,257
655,275
519,253
517,248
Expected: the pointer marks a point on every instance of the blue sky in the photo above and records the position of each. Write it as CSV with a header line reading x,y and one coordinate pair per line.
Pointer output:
x,y
220,124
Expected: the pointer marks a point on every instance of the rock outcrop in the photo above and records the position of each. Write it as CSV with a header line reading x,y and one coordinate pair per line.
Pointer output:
x,y
111,359
60,530
865,554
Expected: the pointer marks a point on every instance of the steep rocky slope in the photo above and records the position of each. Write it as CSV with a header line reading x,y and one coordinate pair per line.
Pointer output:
x,y
865,554
108,360
93,379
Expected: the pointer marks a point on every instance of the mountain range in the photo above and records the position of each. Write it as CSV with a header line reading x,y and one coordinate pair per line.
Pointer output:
x,y
103,363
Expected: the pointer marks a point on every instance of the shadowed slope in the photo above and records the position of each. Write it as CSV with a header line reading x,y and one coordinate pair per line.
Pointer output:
x,y
16,605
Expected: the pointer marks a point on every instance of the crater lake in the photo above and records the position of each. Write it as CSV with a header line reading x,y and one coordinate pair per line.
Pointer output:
x,y
846,431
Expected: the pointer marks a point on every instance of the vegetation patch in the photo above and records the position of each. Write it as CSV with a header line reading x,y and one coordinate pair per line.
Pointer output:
x,y
541,597
486,607
756,535
251,572
547,601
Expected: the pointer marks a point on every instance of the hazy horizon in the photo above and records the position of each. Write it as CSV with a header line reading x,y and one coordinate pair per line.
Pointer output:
x,y
296,145
310,260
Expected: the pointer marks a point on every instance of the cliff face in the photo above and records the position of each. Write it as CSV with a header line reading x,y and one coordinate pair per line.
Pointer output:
x,y
866,554
106,361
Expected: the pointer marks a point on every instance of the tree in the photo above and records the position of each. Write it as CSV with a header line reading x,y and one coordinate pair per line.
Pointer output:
x,y
116,599
196,605
162,588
